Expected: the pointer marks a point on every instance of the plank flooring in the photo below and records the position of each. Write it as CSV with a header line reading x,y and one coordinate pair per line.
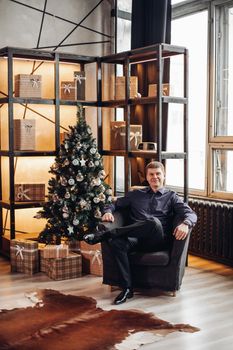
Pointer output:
x,y
205,301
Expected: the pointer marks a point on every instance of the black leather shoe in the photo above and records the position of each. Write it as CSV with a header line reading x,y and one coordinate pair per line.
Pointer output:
x,y
97,237
127,293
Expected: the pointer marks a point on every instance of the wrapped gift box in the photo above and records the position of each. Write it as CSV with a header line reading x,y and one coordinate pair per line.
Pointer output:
x,y
120,87
92,262
52,251
62,268
68,90
118,137
24,134
29,192
80,84
28,86
152,90
24,256
63,136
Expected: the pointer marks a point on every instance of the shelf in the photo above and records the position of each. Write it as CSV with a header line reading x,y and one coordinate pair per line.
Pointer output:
x,y
28,153
20,205
143,101
118,153
46,101
147,53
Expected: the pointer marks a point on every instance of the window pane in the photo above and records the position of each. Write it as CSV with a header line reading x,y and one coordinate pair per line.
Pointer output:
x,y
224,73
223,170
196,42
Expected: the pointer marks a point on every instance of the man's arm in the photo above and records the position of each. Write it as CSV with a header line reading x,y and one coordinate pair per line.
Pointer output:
x,y
121,202
188,218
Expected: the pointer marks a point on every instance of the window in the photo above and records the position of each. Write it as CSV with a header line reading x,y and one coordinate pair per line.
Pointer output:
x,y
182,34
206,29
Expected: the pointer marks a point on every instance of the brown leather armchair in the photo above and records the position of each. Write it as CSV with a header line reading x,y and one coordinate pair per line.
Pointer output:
x,y
163,270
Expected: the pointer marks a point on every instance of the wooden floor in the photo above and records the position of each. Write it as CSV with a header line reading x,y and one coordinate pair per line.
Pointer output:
x,y
205,301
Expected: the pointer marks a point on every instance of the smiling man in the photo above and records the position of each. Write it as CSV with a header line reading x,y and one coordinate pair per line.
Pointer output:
x,y
152,212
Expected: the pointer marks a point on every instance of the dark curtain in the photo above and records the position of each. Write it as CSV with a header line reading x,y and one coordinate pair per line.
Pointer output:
x,y
151,22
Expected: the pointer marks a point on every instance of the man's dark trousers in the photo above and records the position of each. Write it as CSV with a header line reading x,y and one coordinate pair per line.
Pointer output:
x,y
146,235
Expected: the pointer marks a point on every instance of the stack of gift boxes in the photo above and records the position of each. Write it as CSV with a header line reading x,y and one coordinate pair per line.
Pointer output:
x,y
59,262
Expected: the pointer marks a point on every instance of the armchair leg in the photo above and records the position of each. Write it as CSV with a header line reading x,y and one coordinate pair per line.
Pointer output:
x,y
173,293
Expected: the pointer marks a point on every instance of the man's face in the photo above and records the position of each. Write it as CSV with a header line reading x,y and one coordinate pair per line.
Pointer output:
x,y
155,178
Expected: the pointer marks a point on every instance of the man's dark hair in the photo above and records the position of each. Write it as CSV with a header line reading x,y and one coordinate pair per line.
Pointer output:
x,y
154,165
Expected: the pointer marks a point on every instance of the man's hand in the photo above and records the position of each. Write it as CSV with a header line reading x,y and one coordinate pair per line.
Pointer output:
x,y
108,217
181,231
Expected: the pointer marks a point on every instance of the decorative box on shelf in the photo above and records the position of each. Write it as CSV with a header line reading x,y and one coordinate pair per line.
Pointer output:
x,y
63,136
118,135
120,87
152,90
52,251
24,134
80,84
24,256
62,268
29,192
28,86
68,90
92,262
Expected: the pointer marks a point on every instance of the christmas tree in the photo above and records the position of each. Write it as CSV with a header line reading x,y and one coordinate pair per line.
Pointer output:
x,y
77,191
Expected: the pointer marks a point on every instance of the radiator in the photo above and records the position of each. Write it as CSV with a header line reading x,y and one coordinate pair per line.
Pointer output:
x,y
212,237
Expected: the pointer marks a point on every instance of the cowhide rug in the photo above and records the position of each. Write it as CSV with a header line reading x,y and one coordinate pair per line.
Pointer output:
x,y
59,321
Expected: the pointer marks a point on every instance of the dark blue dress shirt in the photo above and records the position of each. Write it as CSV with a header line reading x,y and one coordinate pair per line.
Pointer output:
x,y
163,204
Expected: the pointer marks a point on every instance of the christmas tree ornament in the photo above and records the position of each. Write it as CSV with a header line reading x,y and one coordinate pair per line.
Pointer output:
x,y
75,162
93,150
63,181
82,162
70,229
79,177
71,181
96,199
66,162
67,195
77,193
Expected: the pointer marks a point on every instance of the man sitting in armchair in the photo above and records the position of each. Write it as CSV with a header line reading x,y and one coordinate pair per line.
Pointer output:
x,y
151,215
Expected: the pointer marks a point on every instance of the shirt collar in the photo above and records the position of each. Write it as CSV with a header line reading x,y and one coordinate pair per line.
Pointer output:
x,y
162,190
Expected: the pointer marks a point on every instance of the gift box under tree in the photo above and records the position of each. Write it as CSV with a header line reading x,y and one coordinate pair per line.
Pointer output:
x,y
68,90
52,251
24,134
92,262
62,268
24,256
118,135
29,192
28,86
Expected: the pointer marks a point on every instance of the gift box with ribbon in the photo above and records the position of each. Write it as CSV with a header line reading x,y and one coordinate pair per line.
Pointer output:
x,y
152,90
80,78
24,256
68,90
29,192
52,251
62,268
24,134
92,262
120,87
118,135
28,86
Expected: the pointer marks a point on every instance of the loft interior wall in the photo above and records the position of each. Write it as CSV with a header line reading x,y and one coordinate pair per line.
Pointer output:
x,y
20,25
